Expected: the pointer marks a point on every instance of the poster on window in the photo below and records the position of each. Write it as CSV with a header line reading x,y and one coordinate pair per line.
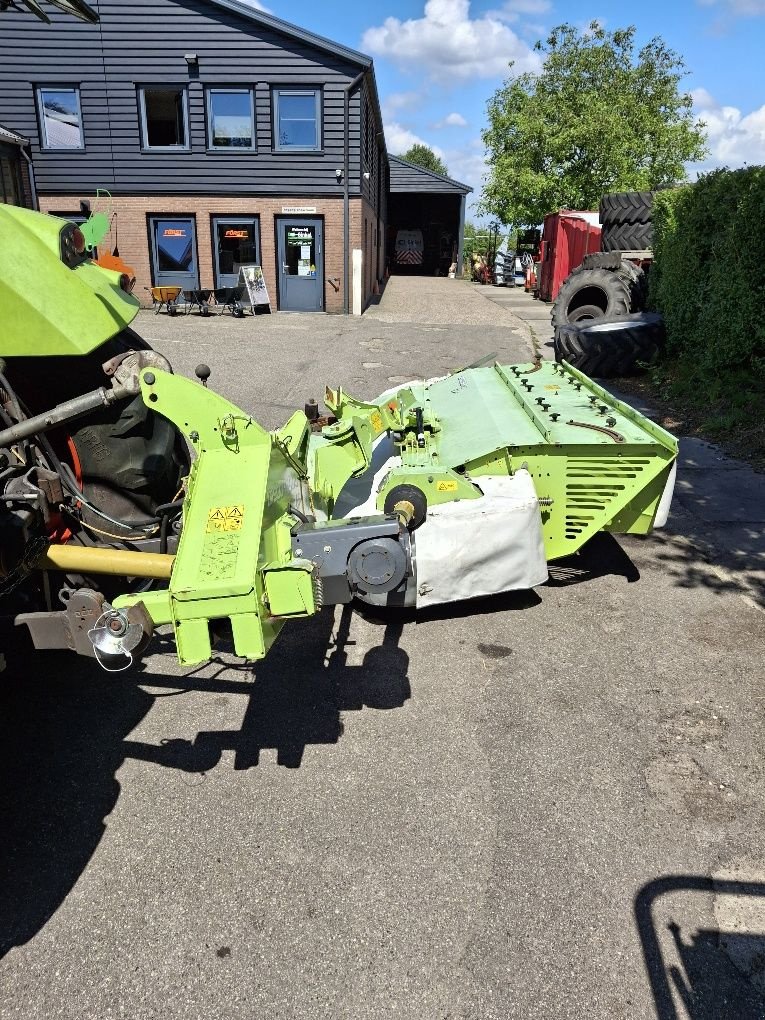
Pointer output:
x,y
252,277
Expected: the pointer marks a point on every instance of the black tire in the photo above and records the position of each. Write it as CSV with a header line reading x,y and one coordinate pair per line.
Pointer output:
x,y
627,237
602,260
626,207
610,349
592,294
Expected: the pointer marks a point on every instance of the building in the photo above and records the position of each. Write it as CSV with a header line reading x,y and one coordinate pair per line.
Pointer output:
x,y
222,135
427,203
15,170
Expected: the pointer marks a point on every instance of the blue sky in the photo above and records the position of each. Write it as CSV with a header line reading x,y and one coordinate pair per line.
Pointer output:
x,y
437,62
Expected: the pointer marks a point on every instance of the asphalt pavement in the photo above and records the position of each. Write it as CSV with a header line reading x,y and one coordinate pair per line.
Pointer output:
x,y
540,805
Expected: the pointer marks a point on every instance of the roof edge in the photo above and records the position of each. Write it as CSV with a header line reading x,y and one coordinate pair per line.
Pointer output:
x,y
432,173
12,136
295,32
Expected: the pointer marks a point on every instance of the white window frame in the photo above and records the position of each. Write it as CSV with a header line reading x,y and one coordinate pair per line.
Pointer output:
x,y
297,90
163,87
240,90
44,144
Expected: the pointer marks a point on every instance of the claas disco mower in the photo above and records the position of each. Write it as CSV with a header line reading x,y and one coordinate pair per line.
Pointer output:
x,y
132,498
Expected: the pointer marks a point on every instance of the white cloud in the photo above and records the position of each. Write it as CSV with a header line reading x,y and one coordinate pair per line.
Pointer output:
x,y
399,139
512,10
449,44
452,120
397,101
734,138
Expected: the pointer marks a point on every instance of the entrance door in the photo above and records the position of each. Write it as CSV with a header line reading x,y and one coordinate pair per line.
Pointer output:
x,y
301,265
174,252
236,244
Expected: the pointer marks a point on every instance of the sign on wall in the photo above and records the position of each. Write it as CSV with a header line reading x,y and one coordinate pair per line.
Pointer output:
x,y
298,210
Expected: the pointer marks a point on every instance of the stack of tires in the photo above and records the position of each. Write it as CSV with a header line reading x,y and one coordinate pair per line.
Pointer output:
x,y
600,324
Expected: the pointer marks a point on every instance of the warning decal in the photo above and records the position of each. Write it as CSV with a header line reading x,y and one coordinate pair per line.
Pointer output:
x,y
377,421
225,518
446,486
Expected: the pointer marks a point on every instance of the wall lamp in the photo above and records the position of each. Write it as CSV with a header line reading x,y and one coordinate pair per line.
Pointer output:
x,y
191,58
339,175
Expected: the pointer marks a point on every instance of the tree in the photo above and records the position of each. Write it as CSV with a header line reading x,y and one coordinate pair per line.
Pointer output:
x,y
593,120
423,155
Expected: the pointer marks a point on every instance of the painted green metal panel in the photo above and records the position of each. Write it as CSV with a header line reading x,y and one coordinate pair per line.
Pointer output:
x,y
48,308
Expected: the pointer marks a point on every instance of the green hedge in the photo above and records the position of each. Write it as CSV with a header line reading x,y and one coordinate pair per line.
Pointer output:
x,y
708,279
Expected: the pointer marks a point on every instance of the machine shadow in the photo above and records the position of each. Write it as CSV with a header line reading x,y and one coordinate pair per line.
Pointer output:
x,y
64,734
703,976
61,733
296,698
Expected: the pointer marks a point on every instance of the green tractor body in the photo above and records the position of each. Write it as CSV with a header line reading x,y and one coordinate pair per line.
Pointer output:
x,y
434,492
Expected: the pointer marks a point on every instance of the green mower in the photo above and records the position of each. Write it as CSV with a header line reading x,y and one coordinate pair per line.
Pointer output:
x,y
139,499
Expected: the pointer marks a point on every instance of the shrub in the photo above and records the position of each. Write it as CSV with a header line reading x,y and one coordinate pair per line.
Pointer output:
x,y
708,280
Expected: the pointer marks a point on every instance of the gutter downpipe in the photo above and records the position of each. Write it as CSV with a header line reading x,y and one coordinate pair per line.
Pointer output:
x,y
346,188
32,183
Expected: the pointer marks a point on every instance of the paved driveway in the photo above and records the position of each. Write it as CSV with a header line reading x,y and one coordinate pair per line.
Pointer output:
x,y
536,806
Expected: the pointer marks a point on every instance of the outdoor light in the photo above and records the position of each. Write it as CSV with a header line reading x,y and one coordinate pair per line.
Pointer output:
x,y
191,58
339,175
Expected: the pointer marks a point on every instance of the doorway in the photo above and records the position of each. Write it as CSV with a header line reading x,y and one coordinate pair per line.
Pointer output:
x,y
174,251
300,254
236,242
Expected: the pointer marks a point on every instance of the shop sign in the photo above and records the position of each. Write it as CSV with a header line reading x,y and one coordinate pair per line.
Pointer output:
x,y
173,232
237,233
298,210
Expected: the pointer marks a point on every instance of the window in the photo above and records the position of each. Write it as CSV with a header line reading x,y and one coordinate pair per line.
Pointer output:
x,y
60,118
297,118
230,121
164,117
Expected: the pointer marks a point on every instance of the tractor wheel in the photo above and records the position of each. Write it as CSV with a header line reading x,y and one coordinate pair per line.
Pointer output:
x,y
626,207
592,294
602,260
610,349
626,237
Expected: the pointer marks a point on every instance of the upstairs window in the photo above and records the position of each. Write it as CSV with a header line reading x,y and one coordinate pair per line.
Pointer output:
x,y
164,115
230,119
297,118
60,118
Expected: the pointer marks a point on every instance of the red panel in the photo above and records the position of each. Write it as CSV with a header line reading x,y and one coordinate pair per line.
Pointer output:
x,y
566,240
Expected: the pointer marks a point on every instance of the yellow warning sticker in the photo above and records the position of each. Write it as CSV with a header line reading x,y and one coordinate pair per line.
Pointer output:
x,y
377,422
446,486
225,518
552,386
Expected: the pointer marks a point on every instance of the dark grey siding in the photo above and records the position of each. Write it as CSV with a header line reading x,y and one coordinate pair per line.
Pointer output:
x,y
404,177
141,42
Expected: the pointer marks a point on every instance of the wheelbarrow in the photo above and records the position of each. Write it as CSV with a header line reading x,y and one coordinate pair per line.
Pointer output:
x,y
197,299
166,296
231,298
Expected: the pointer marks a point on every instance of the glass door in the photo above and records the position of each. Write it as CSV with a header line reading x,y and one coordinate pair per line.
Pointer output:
x,y
236,242
301,265
174,252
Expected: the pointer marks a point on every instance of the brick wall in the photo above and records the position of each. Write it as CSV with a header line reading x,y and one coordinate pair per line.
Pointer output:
x,y
130,232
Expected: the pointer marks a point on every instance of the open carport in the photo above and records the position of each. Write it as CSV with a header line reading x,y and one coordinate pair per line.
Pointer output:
x,y
423,201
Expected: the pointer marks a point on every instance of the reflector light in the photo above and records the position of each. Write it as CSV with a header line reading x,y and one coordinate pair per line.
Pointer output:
x,y
78,241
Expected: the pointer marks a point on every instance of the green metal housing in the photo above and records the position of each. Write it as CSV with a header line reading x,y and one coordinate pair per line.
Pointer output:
x,y
596,465
47,307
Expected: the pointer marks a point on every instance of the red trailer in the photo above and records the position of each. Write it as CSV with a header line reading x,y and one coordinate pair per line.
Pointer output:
x,y
567,237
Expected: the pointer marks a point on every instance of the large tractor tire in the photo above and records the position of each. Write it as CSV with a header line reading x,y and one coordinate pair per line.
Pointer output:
x,y
609,349
626,207
592,294
626,237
